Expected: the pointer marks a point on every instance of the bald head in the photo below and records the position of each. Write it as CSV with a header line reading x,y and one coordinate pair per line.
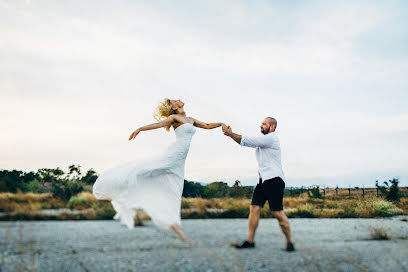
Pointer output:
x,y
272,122
268,125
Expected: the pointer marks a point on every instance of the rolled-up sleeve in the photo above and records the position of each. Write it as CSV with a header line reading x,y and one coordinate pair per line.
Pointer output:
x,y
261,141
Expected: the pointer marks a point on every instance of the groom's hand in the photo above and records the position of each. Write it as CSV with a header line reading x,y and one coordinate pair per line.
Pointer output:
x,y
224,127
227,131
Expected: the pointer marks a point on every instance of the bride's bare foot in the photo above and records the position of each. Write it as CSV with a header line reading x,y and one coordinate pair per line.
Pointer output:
x,y
177,229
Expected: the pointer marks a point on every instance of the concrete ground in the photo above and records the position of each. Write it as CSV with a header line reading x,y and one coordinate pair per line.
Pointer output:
x,y
322,245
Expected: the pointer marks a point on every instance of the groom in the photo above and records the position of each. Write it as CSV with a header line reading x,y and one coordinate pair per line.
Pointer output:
x,y
271,185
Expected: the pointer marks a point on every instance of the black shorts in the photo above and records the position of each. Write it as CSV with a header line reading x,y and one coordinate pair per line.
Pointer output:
x,y
271,190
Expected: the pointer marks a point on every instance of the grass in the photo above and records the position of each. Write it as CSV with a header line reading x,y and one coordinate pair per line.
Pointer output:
x,y
379,234
84,206
295,207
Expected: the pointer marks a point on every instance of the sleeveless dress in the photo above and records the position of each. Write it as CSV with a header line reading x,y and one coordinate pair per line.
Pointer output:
x,y
154,185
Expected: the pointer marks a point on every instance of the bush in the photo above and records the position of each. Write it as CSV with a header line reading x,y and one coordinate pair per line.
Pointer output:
x,y
185,204
192,189
379,234
34,186
76,203
90,177
305,211
65,189
12,181
103,210
239,191
216,190
391,193
315,192
371,208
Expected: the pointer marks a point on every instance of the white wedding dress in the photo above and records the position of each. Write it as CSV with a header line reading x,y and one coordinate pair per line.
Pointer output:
x,y
154,185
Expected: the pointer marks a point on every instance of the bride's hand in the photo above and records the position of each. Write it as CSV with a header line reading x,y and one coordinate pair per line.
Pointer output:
x,y
134,134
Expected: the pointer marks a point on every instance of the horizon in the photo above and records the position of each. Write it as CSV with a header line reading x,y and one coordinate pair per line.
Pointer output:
x,y
252,184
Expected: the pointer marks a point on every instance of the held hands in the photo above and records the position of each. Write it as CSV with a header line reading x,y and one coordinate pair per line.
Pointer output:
x,y
224,127
227,130
134,134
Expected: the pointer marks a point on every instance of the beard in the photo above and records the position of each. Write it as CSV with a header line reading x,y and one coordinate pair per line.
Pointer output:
x,y
265,131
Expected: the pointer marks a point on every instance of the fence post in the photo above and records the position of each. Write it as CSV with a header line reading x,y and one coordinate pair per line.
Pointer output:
x,y
363,190
349,189
377,191
337,190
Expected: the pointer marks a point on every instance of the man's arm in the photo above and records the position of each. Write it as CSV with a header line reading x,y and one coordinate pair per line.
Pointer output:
x,y
228,132
261,141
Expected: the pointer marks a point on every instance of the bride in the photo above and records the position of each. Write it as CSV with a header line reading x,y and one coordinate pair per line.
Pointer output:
x,y
154,185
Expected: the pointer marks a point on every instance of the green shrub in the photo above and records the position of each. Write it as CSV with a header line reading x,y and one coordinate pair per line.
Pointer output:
x,y
215,190
192,189
391,193
103,210
76,202
315,192
305,211
65,189
34,186
185,204
90,177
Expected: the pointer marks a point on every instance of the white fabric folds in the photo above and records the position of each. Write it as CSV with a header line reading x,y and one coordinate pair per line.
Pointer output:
x,y
154,185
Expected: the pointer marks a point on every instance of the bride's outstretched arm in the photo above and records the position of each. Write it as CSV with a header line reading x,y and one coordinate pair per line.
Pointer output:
x,y
161,124
206,125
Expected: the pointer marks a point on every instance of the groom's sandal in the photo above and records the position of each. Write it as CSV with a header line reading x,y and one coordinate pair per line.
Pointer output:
x,y
290,247
245,244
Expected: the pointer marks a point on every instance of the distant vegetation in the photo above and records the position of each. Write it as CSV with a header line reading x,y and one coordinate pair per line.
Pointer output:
x,y
216,189
55,180
65,185
54,194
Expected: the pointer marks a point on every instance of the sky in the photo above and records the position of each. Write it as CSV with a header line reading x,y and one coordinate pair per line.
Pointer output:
x,y
77,77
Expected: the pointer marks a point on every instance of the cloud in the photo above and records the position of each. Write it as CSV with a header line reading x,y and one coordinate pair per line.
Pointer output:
x,y
77,80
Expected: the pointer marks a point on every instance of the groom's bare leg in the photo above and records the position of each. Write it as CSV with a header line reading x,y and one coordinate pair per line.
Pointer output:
x,y
253,221
284,224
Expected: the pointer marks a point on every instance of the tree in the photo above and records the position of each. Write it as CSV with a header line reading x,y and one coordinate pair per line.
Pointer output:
x,y
237,190
10,181
49,175
216,190
391,193
90,177
74,171
65,188
192,189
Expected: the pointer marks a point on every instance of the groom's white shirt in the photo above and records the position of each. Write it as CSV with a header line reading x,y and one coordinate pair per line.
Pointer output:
x,y
268,155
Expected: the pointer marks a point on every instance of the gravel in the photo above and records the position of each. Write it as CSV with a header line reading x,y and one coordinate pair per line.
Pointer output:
x,y
322,245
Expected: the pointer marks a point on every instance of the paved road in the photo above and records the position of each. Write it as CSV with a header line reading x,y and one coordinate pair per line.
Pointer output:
x,y
322,245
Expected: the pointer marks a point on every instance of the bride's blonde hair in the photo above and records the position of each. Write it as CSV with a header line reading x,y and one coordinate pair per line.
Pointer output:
x,y
163,111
